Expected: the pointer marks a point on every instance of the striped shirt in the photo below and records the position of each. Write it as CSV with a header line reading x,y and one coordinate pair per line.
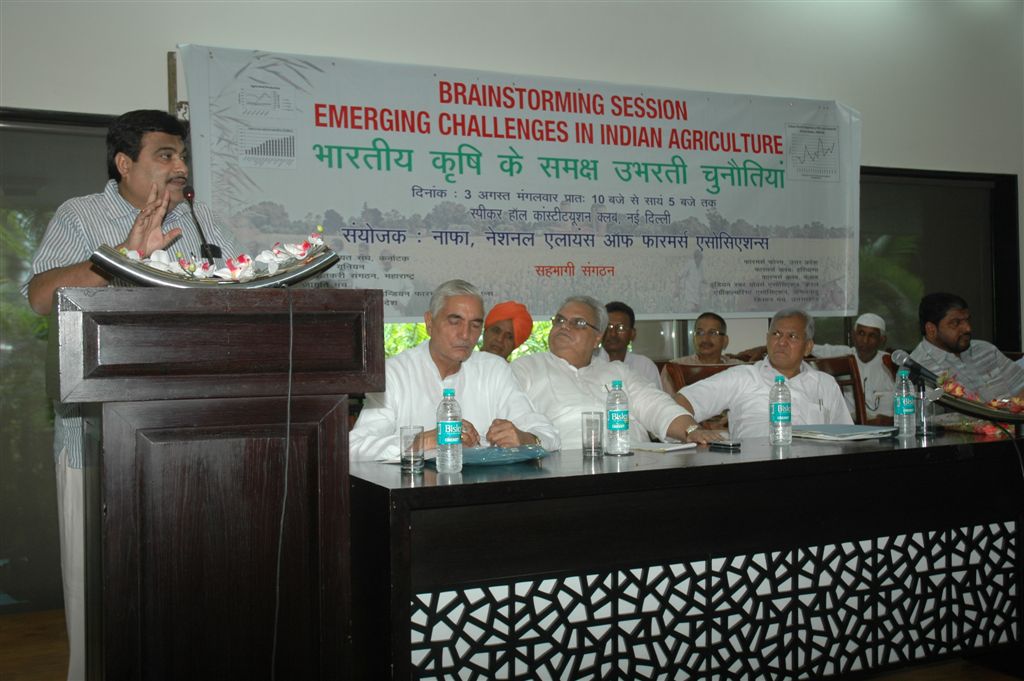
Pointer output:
x,y
78,228
981,368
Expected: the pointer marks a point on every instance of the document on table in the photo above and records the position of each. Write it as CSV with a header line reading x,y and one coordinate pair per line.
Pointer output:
x,y
839,431
663,446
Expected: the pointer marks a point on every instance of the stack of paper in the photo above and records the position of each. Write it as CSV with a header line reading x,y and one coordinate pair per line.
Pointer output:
x,y
662,446
839,431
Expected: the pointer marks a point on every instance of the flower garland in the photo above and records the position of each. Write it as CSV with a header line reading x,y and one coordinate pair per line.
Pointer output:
x,y
1013,405
240,268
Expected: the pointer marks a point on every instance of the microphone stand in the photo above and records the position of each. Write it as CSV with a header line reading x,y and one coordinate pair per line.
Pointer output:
x,y
206,249
925,397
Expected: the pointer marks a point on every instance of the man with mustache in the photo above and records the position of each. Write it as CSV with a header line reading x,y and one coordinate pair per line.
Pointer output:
x,y
711,338
570,379
141,208
620,333
868,340
744,389
507,326
415,379
947,347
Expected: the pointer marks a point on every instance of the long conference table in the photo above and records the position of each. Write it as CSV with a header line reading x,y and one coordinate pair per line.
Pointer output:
x,y
819,559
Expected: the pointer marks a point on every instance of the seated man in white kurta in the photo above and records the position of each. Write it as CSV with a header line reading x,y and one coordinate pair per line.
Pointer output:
x,y
711,338
569,380
743,390
878,382
484,387
620,333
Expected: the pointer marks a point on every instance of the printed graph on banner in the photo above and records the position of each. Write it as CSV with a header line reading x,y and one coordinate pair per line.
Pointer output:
x,y
263,148
813,152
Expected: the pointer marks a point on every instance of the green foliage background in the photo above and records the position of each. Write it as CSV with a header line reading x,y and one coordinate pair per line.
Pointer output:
x,y
29,560
398,337
891,285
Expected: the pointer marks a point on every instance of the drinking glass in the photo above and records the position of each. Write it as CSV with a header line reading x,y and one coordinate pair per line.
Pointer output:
x,y
412,448
592,423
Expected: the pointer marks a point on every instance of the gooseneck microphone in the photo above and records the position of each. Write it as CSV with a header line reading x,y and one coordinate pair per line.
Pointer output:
x,y
902,359
206,249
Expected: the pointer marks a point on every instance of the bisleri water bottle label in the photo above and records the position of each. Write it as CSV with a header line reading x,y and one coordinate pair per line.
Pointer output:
x,y
449,432
780,412
618,419
903,405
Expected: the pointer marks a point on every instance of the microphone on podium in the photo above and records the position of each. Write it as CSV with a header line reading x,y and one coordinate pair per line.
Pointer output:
x,y
206,250
902,359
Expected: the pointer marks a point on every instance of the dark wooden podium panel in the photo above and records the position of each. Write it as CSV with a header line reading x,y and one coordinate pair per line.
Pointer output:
x,y
159,344
192,496
216,434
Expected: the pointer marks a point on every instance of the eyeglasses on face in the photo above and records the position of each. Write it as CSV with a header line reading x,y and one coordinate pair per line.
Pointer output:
x,y
792,336
619,328
714,333
578,323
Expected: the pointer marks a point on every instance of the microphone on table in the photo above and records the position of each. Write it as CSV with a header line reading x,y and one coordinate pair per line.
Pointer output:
x,y
902,359
207,250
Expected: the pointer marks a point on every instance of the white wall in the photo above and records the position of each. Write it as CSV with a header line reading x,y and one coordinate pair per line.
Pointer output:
x,y
940,85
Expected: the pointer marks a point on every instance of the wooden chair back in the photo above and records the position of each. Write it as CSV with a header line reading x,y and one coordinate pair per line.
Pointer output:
x,y
889,364
847,375
687,374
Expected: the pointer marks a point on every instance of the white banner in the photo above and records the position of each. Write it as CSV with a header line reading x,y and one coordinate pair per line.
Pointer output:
x,y
532,188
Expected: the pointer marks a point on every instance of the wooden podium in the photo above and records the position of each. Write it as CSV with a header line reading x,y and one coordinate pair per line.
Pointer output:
x,y
193,571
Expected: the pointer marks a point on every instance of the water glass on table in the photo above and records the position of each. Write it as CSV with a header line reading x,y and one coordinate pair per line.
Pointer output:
x,y
412,448
592,423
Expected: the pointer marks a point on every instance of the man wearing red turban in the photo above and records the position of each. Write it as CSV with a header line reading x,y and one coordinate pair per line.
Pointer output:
x,y
507,327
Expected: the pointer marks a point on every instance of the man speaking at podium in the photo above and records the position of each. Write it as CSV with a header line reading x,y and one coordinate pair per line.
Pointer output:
x,y
141,208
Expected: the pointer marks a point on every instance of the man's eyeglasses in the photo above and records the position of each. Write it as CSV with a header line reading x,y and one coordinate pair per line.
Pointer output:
x,y
578,323
714,333
792,336
619,328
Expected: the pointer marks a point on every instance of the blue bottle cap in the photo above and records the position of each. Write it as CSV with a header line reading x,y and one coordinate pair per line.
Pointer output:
x,y
449,392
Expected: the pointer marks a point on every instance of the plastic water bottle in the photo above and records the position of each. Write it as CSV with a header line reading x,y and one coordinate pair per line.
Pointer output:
x,y
903,406
780,413
449,434
616,411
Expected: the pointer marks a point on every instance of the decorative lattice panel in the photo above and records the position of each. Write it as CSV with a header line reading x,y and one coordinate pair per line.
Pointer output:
x,y
806,613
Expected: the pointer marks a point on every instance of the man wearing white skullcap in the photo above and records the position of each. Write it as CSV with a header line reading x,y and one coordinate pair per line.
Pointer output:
x,y
868,338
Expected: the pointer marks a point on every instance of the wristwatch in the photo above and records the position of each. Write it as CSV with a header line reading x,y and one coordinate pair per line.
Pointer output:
x,y
690,429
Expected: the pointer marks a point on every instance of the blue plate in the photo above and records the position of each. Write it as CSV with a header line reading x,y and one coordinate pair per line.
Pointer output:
x,y
497,456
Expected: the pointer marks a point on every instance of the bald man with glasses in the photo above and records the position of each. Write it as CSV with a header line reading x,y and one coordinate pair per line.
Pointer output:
x,y
570,379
